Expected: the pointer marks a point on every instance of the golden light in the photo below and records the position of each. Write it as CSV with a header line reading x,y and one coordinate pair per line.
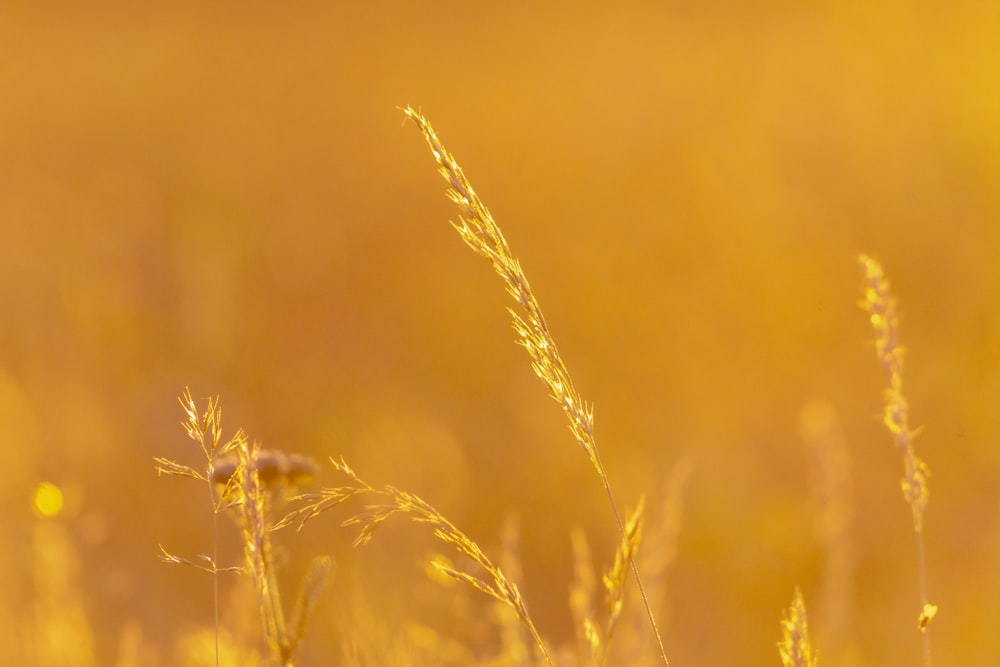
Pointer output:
x,y
48,500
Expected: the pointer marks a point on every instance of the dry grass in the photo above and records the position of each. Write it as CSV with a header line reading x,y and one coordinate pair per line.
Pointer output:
x,y
481,233
225,196
393,501
246,482
880,305
254,485
614,584
794,647
206,430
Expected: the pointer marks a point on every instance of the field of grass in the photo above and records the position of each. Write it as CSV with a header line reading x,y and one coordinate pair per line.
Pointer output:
x,y
234,201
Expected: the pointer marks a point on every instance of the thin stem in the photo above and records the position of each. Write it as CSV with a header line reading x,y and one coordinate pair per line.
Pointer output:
x,y
215,560
482,234
635,568
880,305
538,642
924,602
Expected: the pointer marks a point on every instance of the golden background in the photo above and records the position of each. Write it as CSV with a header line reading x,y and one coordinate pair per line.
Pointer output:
x,y
226,197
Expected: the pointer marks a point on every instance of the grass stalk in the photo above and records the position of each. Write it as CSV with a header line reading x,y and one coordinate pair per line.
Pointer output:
x,y
482,234
206,430
880,305
614,580
257,552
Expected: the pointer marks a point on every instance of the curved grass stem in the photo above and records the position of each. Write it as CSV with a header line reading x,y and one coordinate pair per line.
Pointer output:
x,y
481,233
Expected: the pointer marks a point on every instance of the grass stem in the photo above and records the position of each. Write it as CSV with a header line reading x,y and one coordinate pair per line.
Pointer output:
x,y
880,305
482,234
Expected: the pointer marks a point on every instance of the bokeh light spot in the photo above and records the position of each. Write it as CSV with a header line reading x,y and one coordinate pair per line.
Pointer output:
x,y
48,499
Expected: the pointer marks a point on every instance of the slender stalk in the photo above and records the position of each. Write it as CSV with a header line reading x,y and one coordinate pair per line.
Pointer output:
x,y
253,510
880,305
482,234
215,559
635,568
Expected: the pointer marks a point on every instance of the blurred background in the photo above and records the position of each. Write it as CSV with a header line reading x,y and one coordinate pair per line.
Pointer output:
x,y
227,198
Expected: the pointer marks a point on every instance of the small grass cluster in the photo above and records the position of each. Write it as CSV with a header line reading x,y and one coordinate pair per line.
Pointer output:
x,y
247,482
259,489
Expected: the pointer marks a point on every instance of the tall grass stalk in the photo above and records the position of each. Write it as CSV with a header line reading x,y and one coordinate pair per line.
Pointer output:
x,y
481,233
614,579
257,552
206,430
880,305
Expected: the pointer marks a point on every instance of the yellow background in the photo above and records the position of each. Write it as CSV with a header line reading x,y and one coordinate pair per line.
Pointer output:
x,y
226,197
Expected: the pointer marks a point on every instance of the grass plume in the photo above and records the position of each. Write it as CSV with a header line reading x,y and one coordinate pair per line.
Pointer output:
x,y
794,647
205,429
482,234
880,305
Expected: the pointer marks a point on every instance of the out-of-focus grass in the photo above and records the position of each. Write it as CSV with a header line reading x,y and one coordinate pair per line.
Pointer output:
x,y
192,196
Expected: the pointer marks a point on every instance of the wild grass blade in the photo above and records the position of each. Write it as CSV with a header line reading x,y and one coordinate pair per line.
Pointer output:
x,y
481,233
880,305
